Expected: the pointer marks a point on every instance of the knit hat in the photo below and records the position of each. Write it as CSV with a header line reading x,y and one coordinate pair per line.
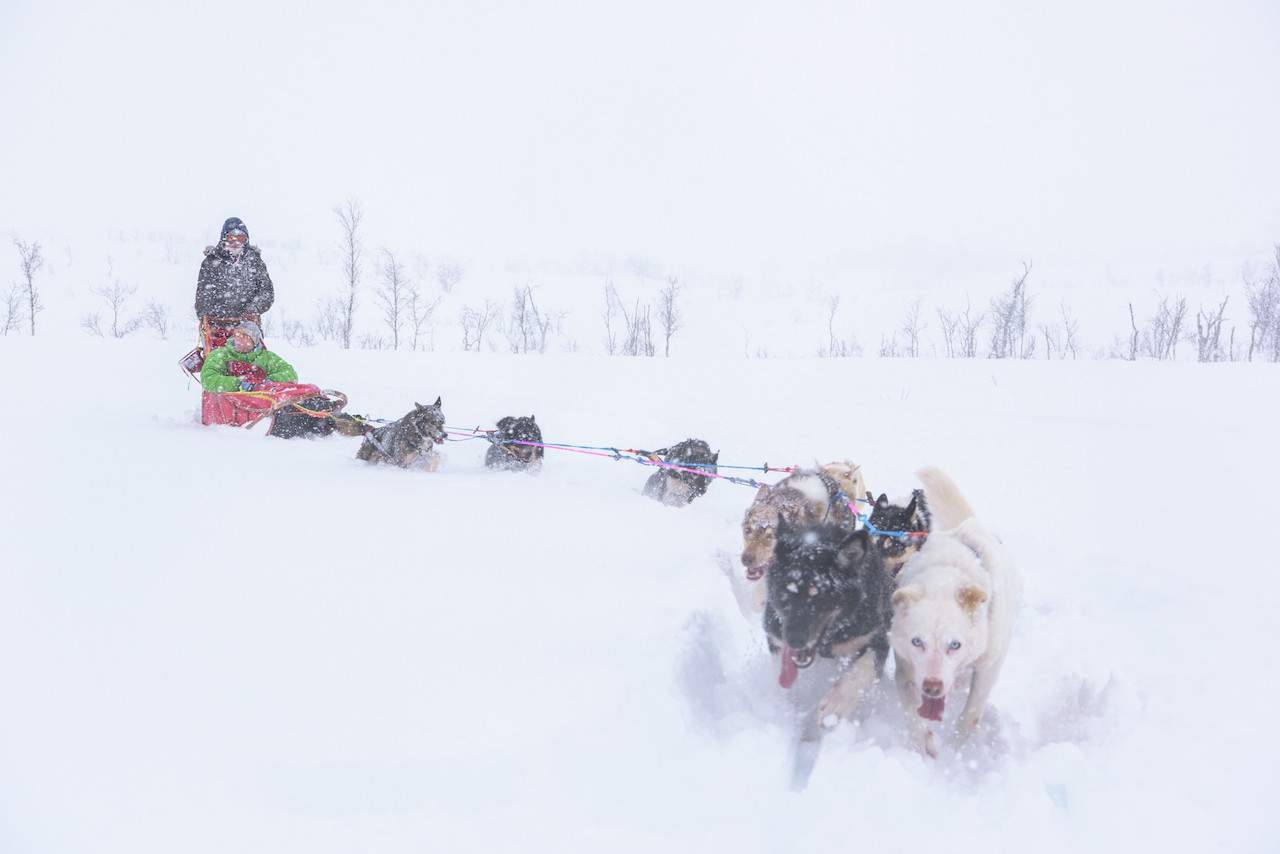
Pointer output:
x,y
233,224
253,330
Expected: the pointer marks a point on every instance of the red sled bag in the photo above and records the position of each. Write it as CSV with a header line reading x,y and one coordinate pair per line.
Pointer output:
x,y
246,408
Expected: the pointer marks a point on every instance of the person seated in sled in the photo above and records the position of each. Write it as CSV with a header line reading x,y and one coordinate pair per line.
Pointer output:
x,y
243,364
233,284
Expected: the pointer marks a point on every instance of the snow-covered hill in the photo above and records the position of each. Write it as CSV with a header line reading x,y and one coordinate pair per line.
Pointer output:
x,y
213,641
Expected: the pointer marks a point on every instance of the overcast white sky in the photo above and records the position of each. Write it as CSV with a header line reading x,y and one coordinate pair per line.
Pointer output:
x,y
871,133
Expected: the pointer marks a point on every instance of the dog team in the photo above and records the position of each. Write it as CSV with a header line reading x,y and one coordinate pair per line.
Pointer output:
x,y
925,580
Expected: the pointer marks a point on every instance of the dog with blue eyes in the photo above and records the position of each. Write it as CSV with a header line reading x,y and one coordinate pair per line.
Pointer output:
x,y
953,615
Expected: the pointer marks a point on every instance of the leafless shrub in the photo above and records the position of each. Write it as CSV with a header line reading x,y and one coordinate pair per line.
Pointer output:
x,y
329,319
611,305
912,327
297,334
448,273
474,323
638,340
117,296
669,312
1209,334
370,341
949,322
1010,334
11,311
970,325
1263,298
527,327
836,346
1070,332
29,262
1159,339
420,313
392,295
92,323
350,215
156,316
889,347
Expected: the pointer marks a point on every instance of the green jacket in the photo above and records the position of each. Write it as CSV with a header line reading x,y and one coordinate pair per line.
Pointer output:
x,y
214,376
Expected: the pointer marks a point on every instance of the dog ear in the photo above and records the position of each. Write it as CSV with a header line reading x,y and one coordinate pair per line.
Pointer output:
x,y
853,550
715,458
417,405
762,491
437,403
970,597
882,501
923,508
532,419
904,597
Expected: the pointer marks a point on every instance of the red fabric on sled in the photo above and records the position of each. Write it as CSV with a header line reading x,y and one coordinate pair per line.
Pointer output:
x,y
245,408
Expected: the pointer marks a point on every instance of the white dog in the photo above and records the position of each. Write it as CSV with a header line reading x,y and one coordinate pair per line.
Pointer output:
x,y
953,613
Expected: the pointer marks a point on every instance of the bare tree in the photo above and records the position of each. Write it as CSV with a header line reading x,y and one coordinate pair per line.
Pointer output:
x,y
1009,314
328,322
1133,335
950,324
474,323
1070,332
117,297
911,328
29,262
296,333
836,346
970,325
611,304
889,346
1052,335
669,313
1263,299
1209,334
156,316
1164,329
639,337
350,215
448,273
420,313
11,309
393,295
528,326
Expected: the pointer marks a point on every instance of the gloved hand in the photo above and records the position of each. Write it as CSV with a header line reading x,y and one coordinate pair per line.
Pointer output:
x,y
245,385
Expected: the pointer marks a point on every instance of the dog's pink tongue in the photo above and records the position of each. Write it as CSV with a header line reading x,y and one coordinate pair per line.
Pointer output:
x,y
787,677
931,708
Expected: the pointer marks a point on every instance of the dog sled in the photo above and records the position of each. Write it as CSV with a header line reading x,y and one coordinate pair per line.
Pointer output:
x,y
294,409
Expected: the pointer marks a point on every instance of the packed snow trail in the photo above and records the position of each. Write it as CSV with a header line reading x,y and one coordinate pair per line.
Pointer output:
x,y
214,641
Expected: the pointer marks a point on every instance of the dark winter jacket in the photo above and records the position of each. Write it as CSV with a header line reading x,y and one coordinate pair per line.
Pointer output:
x,y
233,287
217,374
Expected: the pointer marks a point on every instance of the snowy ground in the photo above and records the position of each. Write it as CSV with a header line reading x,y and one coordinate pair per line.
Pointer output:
x,y
211,641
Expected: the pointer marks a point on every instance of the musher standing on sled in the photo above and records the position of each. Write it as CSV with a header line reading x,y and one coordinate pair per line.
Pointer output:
x,y
233,284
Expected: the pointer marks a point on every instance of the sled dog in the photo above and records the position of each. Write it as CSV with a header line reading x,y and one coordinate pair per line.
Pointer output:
x,y
828,597
503,454
803,498
953,614
678,488
912,518
408,442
